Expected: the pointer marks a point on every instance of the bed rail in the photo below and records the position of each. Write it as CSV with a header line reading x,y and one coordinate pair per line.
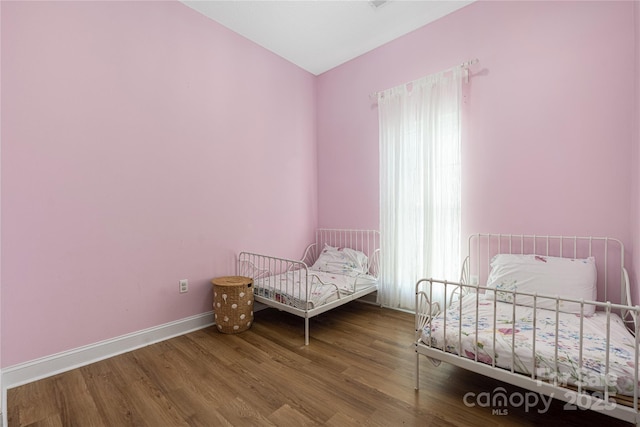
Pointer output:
x,y
581,387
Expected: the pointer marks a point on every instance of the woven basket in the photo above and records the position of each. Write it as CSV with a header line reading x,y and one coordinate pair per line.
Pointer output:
x,y
233,303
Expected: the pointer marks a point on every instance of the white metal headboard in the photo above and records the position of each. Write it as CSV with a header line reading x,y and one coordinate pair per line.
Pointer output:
x,y
613,282
366,241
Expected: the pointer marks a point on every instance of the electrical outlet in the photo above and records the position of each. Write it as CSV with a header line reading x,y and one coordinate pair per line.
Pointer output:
x,y
183,285
474,280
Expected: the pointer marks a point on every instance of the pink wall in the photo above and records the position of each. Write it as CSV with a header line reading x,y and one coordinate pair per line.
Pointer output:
x,y
141,144
549,120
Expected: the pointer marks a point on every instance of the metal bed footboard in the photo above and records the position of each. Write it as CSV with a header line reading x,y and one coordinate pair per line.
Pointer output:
x,y
266,271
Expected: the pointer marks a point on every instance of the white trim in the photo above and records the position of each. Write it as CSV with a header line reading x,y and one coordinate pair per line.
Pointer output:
x,y
23,373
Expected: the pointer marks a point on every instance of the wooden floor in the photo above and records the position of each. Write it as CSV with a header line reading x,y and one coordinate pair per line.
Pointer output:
x,y
357,370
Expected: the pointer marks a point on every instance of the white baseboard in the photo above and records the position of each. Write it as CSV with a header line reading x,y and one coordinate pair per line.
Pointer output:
x,y
23,373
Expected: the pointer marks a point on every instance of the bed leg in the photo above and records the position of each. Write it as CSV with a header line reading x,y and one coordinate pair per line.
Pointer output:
x,y
417,371
306,331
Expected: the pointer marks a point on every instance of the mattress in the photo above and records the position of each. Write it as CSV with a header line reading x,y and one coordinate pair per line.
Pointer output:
x,y
289,288
514,343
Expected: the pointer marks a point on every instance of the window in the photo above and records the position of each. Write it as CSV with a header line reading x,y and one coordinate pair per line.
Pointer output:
x,y
420,185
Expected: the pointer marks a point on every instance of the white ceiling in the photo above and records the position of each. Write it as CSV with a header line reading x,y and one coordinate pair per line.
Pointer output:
x,y
322,34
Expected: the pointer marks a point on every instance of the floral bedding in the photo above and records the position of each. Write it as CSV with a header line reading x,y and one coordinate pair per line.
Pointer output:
x,y
514,343
289,288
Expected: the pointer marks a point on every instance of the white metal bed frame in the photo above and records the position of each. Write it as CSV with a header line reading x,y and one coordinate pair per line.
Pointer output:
x,y
609,254
259,266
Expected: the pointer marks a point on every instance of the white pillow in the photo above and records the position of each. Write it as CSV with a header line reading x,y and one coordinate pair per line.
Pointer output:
x,y
566,277
341,261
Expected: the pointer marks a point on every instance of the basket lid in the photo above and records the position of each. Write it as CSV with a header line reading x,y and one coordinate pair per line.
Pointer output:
x,y
232,281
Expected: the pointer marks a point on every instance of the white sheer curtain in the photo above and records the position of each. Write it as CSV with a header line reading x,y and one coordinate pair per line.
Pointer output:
x,y
420,190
